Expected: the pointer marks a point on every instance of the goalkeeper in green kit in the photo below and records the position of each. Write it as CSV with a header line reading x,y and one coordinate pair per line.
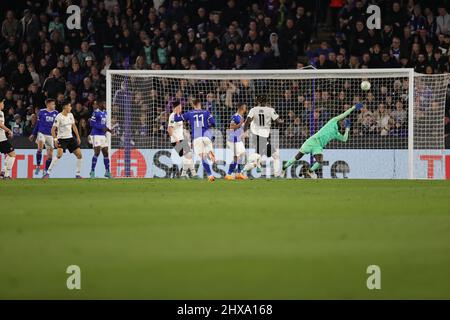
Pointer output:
x,y
314,145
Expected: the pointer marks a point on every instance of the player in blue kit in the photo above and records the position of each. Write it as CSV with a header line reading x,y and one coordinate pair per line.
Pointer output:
x,y
42,132
200,121
98,137
236,145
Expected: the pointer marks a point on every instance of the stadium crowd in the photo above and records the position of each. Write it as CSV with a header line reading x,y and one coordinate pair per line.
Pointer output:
x,y
41,58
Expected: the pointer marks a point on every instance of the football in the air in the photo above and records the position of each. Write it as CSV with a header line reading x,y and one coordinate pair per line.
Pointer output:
x,y
365,85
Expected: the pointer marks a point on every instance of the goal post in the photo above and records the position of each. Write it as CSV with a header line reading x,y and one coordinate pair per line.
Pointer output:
x,y
399,133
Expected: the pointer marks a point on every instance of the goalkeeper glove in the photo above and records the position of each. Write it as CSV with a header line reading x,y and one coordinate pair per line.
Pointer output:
x,y
347,123
358,106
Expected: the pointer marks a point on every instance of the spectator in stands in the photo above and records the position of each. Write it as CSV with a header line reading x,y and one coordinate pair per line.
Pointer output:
x,y
38,53
54,84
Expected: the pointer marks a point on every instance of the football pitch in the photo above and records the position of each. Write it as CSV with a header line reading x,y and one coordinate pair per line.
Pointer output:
x,y
259,239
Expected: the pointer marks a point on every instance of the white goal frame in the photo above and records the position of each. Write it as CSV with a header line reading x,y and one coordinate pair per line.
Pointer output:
x,y
283,74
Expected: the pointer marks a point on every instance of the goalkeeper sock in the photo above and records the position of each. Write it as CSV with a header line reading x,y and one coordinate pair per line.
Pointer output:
x,y
240,167
38,157
106,162
289,163
94,162
231,168
315,166
206,167
47,164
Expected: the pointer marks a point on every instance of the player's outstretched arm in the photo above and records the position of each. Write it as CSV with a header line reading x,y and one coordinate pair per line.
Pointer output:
x,y
342,116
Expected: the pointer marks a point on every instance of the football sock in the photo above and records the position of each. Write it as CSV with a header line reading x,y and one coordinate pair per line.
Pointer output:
x,y
106,162
206,167
79,163
289,163
315,166
231,168
191,166
185,165
9,166
47,163
38,157
94,162
52,164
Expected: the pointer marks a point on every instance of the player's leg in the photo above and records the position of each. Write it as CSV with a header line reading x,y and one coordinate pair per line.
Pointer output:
x,y
188,158
317,164
79,161
306,148
97,150
2,167
59,154
179,148
276,163
254,160
240,154
49,148
208,153
9,163
40,146
232,167
290,162
105,152
201,151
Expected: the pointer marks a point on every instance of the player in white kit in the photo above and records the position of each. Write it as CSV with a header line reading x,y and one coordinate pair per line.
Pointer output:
x,y
260,119
6,147
62,131
180,143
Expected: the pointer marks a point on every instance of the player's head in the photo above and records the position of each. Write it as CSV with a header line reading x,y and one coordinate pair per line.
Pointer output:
x,y
341,125
100,104
67,107
242,108
177,106
50,104
260,100
196,103
2,104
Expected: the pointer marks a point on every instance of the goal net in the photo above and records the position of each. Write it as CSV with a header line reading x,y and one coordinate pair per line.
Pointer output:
x,y
398,134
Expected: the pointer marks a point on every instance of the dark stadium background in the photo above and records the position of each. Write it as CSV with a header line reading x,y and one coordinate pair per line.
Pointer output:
x,y
326,34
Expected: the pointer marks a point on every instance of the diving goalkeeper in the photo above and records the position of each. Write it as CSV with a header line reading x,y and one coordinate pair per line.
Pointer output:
x,y
314,145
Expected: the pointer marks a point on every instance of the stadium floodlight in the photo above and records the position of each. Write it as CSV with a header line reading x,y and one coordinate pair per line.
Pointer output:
x,y
399,133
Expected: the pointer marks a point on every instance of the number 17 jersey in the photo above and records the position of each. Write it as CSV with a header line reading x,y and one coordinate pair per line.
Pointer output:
x,y
262,118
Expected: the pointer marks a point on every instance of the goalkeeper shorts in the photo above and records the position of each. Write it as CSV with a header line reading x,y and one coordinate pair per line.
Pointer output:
x,y
311,146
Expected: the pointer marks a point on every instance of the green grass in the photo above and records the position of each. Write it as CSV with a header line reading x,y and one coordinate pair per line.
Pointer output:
x,y
280,239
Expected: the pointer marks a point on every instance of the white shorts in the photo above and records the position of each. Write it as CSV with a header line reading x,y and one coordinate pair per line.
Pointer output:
x,y
202,145
237,148
99,141
47,140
